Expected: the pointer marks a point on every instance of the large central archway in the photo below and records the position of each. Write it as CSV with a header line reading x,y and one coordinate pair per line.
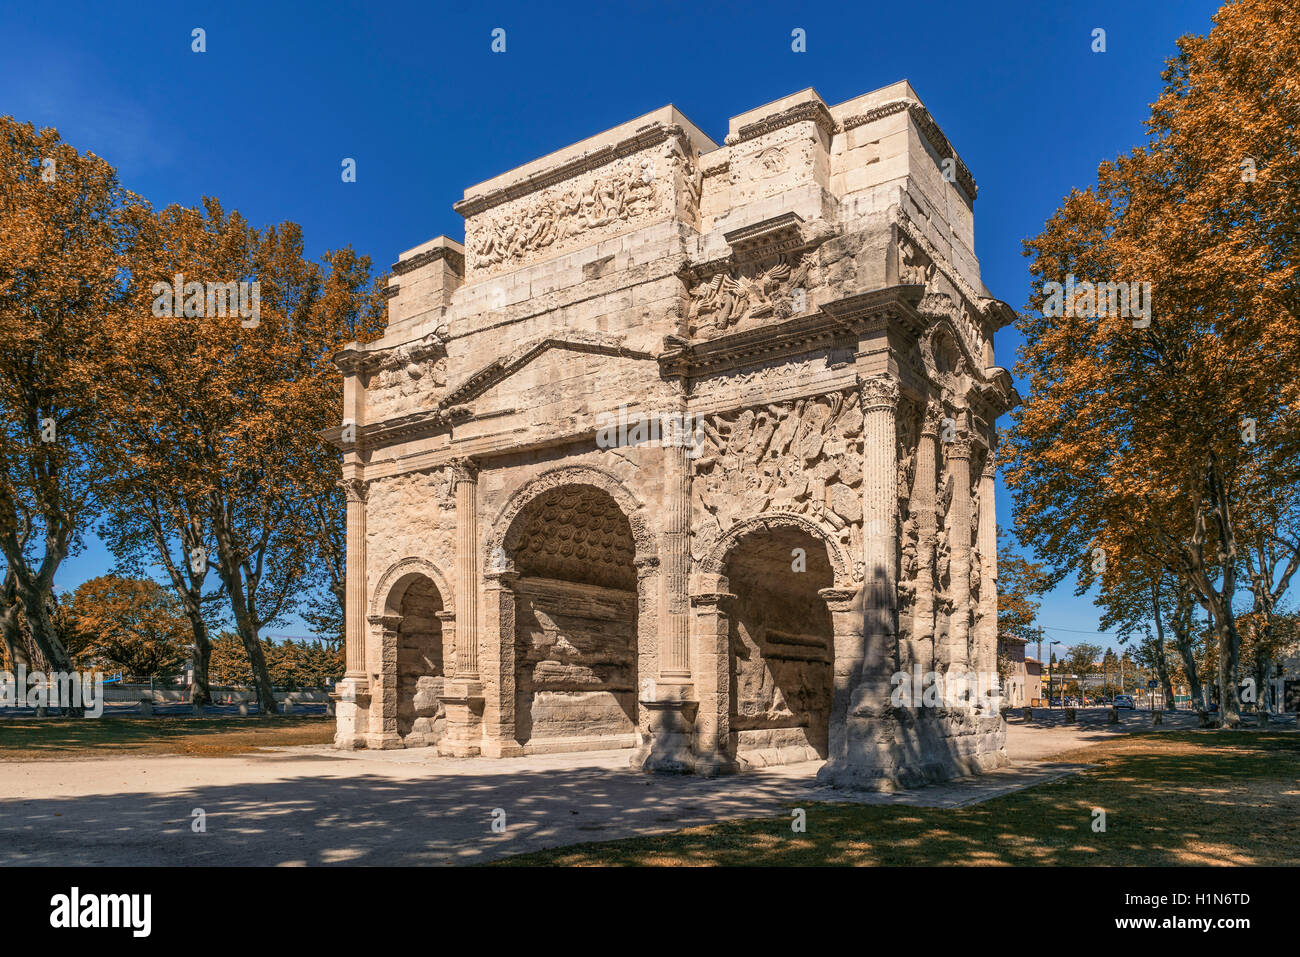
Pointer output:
x,y
576,621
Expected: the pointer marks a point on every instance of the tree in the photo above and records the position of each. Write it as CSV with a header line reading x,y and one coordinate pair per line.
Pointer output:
x,y
223,412
1132,443
61,240
1020,584
132,624
1082,661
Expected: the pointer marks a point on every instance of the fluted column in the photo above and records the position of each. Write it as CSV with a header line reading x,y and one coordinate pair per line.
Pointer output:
x,y
986,633
922,500
675,640
354,601
959,542
463,696
880,515
464,475
351,696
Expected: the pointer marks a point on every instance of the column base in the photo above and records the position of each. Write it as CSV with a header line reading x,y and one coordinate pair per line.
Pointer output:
x,y
351,700
463,735
669,746
384,741
888,748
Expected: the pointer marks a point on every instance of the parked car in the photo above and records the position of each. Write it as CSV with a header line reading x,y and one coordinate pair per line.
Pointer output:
x,y
1124,701
1056,702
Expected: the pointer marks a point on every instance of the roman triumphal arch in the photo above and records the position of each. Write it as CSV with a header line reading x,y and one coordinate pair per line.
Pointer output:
x,y
688,449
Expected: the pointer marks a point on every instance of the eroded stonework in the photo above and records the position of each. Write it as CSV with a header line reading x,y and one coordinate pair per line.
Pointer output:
x,y
800,309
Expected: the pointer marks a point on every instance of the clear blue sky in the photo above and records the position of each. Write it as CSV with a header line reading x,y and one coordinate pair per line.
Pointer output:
x,y
414,94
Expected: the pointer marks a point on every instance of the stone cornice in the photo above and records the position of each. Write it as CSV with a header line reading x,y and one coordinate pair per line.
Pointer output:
x,y
641,140
455,259
810,110
835,321
365,359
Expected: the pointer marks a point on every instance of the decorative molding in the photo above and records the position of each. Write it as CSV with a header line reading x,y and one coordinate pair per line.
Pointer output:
x,y
715,561
387,598
455,259
814,111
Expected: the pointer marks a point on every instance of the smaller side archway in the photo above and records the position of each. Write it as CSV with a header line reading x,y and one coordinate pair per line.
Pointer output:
x,y
413,649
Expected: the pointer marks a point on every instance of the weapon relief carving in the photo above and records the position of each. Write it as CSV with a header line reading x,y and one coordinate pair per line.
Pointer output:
x,y
764,289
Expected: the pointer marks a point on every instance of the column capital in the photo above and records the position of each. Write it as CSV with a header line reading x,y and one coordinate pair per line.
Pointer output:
x,y
990,469
387,622
930,420
960,447
878,392
462,469
354,489
445,616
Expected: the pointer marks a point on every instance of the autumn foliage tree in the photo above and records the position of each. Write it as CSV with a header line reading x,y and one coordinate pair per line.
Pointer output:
x,y
61,256
216,422
1151,442
131,624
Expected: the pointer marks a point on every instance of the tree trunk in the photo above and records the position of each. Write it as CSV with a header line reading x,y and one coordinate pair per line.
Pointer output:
x,y
233,579
200,691
1158,652
9,628
47,641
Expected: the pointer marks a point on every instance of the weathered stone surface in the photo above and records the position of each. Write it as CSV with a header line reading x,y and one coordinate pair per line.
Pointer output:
x,y
688,448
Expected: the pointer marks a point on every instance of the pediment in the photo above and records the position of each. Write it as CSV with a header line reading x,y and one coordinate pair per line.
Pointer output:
x,y
545,361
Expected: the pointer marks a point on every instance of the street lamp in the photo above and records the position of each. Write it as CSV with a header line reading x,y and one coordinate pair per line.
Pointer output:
x,y
1049,672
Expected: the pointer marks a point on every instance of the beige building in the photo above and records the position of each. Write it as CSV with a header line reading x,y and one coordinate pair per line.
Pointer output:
x,y
686,450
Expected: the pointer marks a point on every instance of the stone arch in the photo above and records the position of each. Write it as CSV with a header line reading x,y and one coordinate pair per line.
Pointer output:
x,y
392,585
715,562
496,544
579,693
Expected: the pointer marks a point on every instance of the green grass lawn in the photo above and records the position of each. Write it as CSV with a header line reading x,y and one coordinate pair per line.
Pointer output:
x,y
1171,798
25,739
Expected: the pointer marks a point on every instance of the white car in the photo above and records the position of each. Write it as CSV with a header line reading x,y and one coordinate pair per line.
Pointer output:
x,y
1124,701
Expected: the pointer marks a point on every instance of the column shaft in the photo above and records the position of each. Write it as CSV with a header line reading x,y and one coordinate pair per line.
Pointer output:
x,y
465,477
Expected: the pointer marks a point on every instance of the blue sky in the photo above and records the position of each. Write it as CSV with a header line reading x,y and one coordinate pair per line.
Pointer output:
x,y
413,93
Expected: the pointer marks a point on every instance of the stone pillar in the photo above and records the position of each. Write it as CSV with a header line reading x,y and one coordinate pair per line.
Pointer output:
x,y
382,732
669,700
959,537
675,622
848,653
986,627
352,695
498,672
712,733
880,510
463,695
465,480
923,508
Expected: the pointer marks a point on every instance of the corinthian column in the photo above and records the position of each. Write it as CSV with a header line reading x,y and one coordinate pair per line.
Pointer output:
x,y
352,695
923,508
880,519
354,601
675,642
959,541
464,475
986,629
463,692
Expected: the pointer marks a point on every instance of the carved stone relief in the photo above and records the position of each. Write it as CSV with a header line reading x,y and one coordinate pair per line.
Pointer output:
x,y
765,289
802,456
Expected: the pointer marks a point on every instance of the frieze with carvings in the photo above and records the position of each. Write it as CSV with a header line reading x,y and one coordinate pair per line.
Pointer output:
x,y
614,197
764,290
802,456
